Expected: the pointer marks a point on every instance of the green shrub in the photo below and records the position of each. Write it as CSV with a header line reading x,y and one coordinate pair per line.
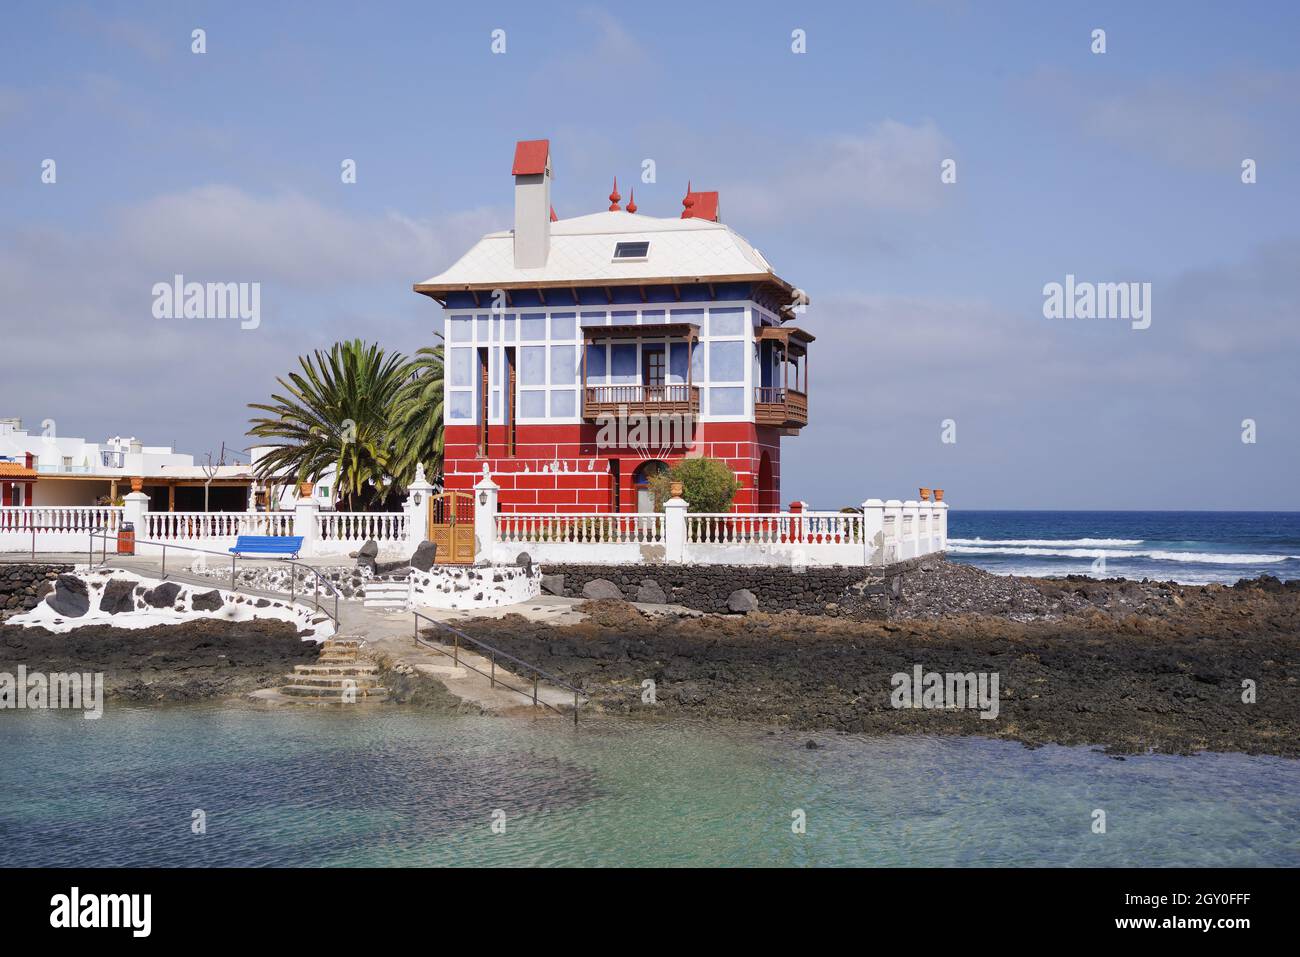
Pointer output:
x,y
708,485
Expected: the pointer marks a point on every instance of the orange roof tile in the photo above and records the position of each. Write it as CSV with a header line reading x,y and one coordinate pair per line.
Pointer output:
x,y
16,470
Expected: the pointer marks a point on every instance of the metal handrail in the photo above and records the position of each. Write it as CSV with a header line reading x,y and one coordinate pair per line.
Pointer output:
x,y
293,579
493,654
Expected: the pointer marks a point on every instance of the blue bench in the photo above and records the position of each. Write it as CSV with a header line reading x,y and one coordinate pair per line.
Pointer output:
x,y
268,545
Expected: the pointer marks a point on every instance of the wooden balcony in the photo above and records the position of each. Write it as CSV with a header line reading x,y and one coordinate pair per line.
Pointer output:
x,y
619,400
780,408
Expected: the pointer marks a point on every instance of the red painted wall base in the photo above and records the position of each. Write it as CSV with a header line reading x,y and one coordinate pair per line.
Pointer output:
x,y
564,468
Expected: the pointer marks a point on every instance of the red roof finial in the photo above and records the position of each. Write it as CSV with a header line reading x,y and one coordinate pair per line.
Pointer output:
x,y
631,202
688,201
614,198
554,218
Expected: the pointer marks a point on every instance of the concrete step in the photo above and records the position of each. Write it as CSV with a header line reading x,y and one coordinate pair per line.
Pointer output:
x,y
313,692
336,669
385,603
334,681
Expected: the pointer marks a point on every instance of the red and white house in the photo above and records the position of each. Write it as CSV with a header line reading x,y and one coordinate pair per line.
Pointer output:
x,y
584,354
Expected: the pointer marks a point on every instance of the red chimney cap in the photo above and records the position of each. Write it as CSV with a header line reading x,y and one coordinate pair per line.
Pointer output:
x,y
701,206
530,157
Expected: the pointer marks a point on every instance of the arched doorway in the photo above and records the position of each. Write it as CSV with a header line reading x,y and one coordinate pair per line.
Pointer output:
x,y
645,501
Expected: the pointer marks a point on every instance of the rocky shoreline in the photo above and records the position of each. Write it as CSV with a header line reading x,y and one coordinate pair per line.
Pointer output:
x,y
1128,666
201,659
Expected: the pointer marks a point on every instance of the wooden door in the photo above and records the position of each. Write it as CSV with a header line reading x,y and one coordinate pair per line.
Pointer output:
x,y
451,527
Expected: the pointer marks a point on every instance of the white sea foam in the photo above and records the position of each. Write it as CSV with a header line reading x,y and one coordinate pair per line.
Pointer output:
x,y
1051,542
1199,558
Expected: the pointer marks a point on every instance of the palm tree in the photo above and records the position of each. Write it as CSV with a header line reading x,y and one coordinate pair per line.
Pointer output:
x,y
417,416
336,411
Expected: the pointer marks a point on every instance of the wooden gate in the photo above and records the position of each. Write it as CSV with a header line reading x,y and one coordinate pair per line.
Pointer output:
x,y
451,527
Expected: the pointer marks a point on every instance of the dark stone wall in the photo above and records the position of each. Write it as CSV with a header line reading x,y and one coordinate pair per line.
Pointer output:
x,y
22,586
835,591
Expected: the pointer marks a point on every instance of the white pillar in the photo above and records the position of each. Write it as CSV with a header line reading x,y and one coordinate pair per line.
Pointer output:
x,y
417,509
485,518
941,526
675,529
894,546
305,523
135,508
912,511
873,525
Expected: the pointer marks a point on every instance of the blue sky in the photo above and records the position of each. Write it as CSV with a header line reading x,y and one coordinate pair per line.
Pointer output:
x,y
927,298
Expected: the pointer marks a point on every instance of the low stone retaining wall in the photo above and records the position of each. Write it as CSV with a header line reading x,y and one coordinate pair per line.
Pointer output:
x,y
474,586
350,580
23,586
125,600
836,591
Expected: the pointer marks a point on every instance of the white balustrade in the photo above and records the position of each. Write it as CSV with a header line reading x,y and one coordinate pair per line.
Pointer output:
x,y
59,518
533,528
361,527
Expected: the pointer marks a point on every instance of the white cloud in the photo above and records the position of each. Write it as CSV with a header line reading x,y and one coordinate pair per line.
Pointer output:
x,y
893,166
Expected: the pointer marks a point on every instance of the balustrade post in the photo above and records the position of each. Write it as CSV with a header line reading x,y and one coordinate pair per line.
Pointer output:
x,y
135,509
485,518
873,531
912,509
306,522
675,529
940,530
418,502
894,509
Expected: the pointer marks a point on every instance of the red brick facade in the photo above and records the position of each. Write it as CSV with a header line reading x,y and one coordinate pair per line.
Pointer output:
x,y
561,468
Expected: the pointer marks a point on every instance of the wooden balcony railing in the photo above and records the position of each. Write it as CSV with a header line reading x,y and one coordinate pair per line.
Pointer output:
x,y
782,408
640,400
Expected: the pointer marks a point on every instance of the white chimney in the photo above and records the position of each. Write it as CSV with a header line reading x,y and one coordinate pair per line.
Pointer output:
x,y
532,172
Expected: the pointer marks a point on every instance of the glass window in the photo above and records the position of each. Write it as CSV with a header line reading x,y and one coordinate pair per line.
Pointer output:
x,y
462,329
564,326
726,401
695,316
532,404
532,327
726,322
726,362
623,363
625,317
461,403
564,403
650,316
677,363
462,367
532,370
509,329
597,362
595,318
484,332
564,365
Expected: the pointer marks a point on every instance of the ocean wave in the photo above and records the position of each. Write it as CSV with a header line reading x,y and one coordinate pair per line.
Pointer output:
x,y
1199,558
1051,542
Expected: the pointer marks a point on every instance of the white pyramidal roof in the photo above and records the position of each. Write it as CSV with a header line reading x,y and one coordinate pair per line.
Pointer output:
x,y
582,252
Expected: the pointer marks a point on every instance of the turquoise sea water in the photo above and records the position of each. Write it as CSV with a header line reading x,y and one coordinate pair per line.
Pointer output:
x,y
403,787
